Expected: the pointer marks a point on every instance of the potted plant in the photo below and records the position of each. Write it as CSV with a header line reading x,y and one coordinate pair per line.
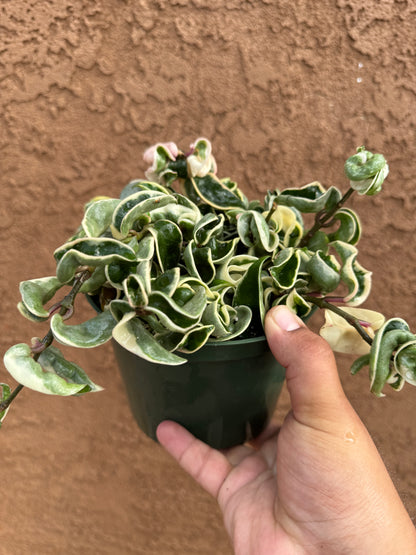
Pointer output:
x,y
181,270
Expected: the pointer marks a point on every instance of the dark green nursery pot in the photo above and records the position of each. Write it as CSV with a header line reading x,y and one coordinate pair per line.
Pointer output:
x,y
225,394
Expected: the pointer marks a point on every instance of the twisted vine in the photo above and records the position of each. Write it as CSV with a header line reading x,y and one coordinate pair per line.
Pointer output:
x,y
63,308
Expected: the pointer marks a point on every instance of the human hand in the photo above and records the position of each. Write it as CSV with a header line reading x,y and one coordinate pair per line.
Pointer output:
x,y
317,485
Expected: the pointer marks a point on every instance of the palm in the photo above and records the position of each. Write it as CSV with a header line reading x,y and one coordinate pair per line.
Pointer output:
x,y
258,488
271,495
248,497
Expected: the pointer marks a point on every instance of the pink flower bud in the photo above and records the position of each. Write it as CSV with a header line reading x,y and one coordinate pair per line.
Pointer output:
x,y
170,147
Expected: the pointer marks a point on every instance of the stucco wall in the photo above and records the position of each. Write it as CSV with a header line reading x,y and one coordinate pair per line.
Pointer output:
x,y
285,91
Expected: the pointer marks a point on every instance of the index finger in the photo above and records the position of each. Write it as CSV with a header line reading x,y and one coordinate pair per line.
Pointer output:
x,y
206,465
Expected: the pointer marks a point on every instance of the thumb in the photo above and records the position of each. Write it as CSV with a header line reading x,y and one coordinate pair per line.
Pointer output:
x,y
316,394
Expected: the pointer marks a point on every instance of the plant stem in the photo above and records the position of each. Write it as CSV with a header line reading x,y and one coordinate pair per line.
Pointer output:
x,y
354,322
323,217
271,212
12,396
66,305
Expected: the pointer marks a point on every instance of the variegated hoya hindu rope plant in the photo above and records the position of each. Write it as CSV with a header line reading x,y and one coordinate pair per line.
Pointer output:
x,y
183,257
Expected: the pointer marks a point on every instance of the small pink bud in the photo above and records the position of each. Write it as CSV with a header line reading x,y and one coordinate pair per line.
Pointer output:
x,y
149,153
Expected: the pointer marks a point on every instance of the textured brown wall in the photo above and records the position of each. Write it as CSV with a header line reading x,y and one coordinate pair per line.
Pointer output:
x,y
285,91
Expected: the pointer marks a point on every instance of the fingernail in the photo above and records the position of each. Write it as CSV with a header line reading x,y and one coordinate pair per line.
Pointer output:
x,y
285,318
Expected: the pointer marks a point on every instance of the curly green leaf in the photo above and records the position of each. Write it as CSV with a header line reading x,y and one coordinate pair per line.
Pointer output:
x,y
213,192
357,278
311,198
189,342
324,271
37,292
285,268
366,171
389,337
26,371
199,263
405,361
209,226
89,252
249,291
168,242
173,316
98,216
254,231
131,334
86,335
349,230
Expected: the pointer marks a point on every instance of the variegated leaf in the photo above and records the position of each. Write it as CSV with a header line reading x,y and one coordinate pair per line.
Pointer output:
x,y
222,251
319,242
192,284
349,230
186,202
199,262
173,316
26,371
95,281
208,226
388,338
201,161
405,361
135,290
90,333
188,342
24,311
270,294
235,268
52,360
120,307
324,271
37,292
168,242
254,231
166,282
228,322
129,203
357,278
270,200
310,198
129,212
141,185
146,248
144,270
366,171
297,304
285,268
183,212
98,216
184,217
91,253
288,224
131,334
117,272
359,363
229,183
210,189
249,292
343,337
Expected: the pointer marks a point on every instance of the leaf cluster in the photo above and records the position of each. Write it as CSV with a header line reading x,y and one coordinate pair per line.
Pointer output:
x,y
185,258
